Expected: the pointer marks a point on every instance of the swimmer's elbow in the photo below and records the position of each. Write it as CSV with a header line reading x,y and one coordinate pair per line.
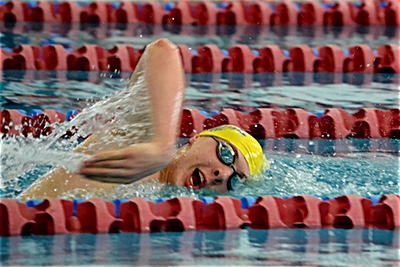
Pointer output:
x,y
164,43
164,47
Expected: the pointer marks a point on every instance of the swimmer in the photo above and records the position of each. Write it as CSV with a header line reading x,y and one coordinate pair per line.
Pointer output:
x,y
213,159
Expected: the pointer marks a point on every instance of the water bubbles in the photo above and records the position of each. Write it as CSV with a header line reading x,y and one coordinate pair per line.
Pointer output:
x,y
120,120
322,176
124,119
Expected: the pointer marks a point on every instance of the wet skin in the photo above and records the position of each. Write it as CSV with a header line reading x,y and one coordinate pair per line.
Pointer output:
x,y
199,156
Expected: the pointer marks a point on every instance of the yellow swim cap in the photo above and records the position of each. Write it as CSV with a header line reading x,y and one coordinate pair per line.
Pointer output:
x,y
244,142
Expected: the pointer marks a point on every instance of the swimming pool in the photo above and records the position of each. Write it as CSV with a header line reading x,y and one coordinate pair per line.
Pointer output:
x,y
323,167
320,168
293,247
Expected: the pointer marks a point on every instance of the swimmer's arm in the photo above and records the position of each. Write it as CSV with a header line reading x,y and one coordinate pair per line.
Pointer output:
x,y
164,78
57,182
165,82
166,90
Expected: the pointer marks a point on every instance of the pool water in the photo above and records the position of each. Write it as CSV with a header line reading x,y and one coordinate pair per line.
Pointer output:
x,y
322,168
299,167
69,90
247,247
365,174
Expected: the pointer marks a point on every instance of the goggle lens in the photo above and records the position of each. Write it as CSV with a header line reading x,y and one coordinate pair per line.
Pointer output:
x,y
226,155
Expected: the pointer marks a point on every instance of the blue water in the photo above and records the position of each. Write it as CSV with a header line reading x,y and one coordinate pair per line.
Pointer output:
x,y
319,168
283,247
322,168
209,92
291,173
139,34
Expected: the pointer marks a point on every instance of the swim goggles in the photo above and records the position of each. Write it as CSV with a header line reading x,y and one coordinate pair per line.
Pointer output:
x,y
226,155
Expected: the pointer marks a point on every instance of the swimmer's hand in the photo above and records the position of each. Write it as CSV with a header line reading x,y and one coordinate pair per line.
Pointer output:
x,y
127,165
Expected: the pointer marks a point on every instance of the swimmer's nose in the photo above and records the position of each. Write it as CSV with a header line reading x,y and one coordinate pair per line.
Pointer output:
x,y
219,177
222,171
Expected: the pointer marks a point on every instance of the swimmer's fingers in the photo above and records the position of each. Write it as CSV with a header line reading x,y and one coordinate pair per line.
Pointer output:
x,y
126,165
106,156
112,163
106,175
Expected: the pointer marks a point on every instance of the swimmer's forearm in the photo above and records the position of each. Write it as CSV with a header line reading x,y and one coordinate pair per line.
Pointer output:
x,y
165,82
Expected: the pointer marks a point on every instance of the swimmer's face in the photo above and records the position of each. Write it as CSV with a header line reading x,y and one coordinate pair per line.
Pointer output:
x,y
198,166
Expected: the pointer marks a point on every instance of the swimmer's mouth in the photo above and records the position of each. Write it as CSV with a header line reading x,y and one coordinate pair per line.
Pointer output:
x,y
196,180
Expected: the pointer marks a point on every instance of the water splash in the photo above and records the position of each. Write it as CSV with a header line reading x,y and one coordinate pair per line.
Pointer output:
x,y
20,156
124,119
364,174
115,122
151,190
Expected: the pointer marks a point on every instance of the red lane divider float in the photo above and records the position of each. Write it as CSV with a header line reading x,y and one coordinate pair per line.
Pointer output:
x,y
262,123
328,60
15,122
309,13
58,216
